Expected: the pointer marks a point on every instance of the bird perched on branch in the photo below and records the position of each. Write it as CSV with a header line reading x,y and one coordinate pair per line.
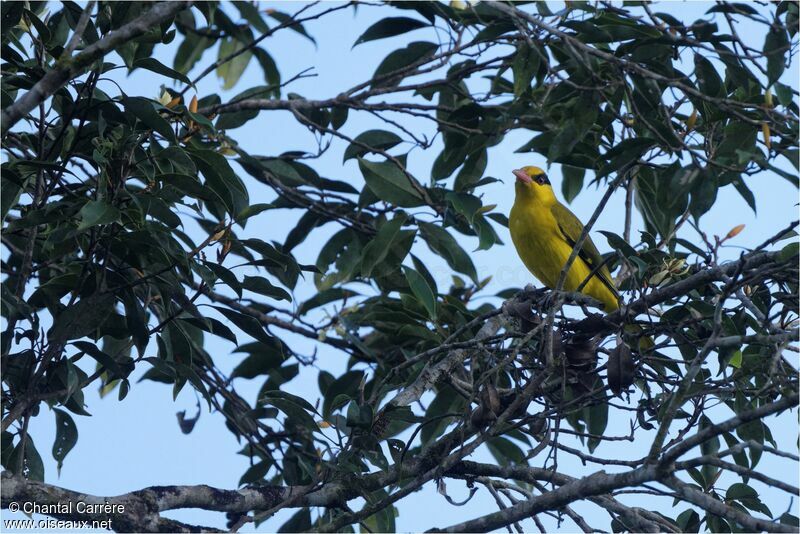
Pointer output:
x,y
544,232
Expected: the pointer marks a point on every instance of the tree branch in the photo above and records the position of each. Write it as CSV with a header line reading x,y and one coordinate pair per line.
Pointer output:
x,y
709,503
789,401
139,511
70,67
601,483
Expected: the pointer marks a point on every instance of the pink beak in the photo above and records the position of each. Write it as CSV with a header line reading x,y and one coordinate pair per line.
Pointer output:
x,y
522,176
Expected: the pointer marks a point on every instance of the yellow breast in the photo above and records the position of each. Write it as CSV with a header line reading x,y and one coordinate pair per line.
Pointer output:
x,y
544,251
534,233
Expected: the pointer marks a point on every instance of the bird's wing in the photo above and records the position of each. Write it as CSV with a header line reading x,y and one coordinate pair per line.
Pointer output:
x,y
571,229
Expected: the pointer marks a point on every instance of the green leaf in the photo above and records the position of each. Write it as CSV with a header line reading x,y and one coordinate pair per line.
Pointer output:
x,y
338,401
9,195
295,412
187,185
162,371
221,179
229,121
226,275
389,183
635,145
280,169
708,447
472,171
716,523
788,252
66,436
136,320
7,447
190,51
737,136
97,212
740,457
252,210
793,155
784,94
264,359
271,74
465,204
378,248
736,359
247,324
144,110
524,66
257,471
738,491
505,451
596,422
419,265
624,153
261,285
359,416
395,255
776,47
572,183
232,70
251,14
290,22
11,15
324,297
389,27
401,60
709,80
212,326
448,160
346,385
300,401
733,8
118,369
422,291
382,520
375,139
745,192
617,243
299,522
789,519
442,243
32,465
689,521
583,116
447,401
704,194
154,65
338,116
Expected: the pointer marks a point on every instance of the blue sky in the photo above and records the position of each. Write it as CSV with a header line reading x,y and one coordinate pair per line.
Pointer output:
x,y
136,443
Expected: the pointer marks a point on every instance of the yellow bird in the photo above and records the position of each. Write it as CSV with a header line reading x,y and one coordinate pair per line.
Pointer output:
x,y
544,231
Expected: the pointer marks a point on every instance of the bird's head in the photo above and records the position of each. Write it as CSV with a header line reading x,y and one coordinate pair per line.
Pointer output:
x,y
532,184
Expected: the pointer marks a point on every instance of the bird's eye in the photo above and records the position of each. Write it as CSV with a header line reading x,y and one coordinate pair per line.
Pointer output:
x,y
541,179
